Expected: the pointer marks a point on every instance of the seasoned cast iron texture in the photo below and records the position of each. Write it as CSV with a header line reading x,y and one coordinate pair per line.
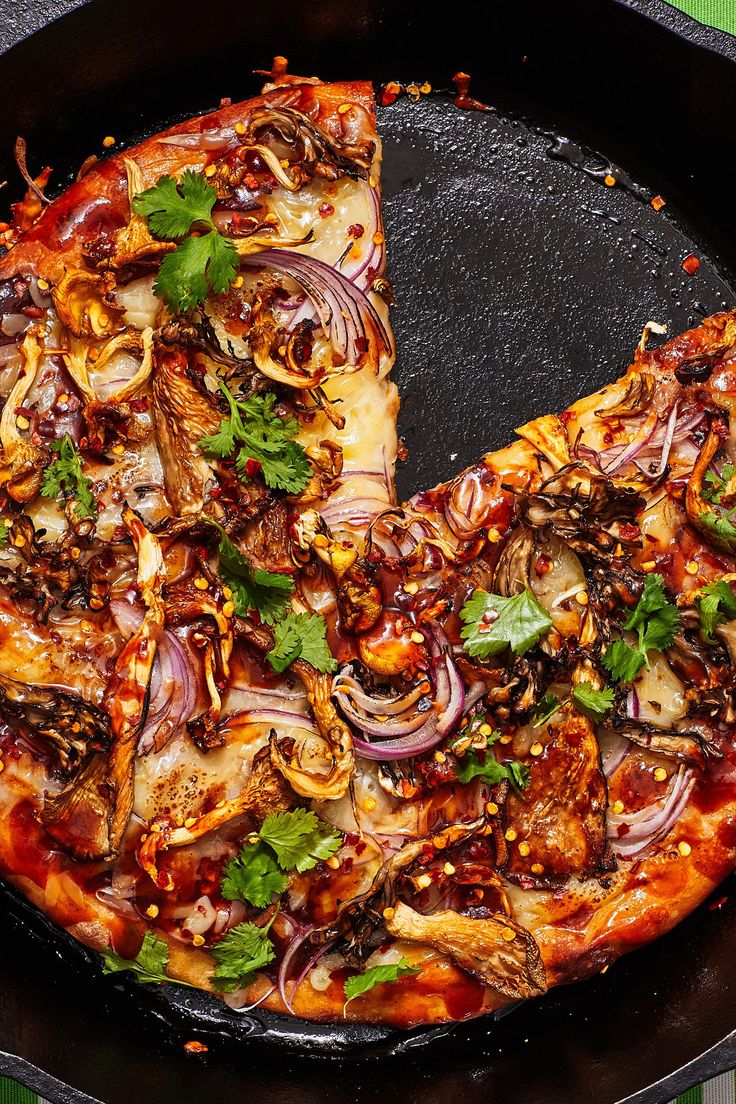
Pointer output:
x,y
522,282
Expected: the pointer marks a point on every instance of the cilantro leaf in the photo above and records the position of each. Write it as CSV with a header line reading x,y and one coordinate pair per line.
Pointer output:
x,y
200,265
172,207
490,770
493,623
197,268
299,839
301,636
714,485
253,589
245,949
256,433
65,477
377,975
544,709
148,966
623,662
717,605
720,529
253,876
592,703
655,620
4,532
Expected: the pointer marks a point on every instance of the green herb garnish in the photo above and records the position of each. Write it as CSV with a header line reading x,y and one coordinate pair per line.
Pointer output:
x,y
65,477
493,623
655,620
592,703
148,966
717,605
377,975
267,592
245,949
491,771
287,841
262,441
200,265
301,636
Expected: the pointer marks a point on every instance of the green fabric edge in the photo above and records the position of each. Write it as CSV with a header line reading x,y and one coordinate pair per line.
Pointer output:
x,y
720,14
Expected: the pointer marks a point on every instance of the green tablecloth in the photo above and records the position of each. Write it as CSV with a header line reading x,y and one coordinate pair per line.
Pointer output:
x,y
721,1090
716,13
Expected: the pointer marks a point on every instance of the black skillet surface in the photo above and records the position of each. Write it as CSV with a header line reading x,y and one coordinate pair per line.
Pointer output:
x,y
523,281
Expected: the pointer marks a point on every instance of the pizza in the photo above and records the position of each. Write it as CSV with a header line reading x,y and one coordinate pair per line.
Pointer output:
x,y
268,732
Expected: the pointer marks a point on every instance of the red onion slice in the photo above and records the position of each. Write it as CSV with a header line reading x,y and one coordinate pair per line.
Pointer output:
x,y
173,694
632,835
344,310
449,705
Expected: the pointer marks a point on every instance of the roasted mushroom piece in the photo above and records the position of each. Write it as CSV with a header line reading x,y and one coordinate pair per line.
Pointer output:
x,y
72,726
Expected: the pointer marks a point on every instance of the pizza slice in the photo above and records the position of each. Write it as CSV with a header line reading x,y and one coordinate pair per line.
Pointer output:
x,y
268,733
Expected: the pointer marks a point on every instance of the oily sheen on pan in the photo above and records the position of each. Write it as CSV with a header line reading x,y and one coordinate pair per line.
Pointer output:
x,y
269,733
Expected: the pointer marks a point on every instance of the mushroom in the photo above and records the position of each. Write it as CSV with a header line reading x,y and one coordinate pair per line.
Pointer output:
x,y
71,725
336,735
89,817
183,414
495,949
82,301
21,461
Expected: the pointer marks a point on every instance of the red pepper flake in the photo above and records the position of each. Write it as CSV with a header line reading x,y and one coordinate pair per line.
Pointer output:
x,y
195,1047
629,532
356,230
389,93
658,202
325,210
543,564
252,467
691,264
717,904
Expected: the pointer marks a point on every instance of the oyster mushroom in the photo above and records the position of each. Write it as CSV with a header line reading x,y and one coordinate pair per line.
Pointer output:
x,y
21,461
83,304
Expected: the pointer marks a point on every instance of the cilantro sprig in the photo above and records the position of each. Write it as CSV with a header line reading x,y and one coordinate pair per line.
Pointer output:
x,y
377,975
149,965
720,528
301,636
544,709
245,949
717,605
491,771
267,592
655,620
287,841
65,478
492,623
261,440
592,703
200,265
714,484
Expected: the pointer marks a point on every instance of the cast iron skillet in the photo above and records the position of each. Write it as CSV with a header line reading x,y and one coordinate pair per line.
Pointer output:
x,y
523,281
